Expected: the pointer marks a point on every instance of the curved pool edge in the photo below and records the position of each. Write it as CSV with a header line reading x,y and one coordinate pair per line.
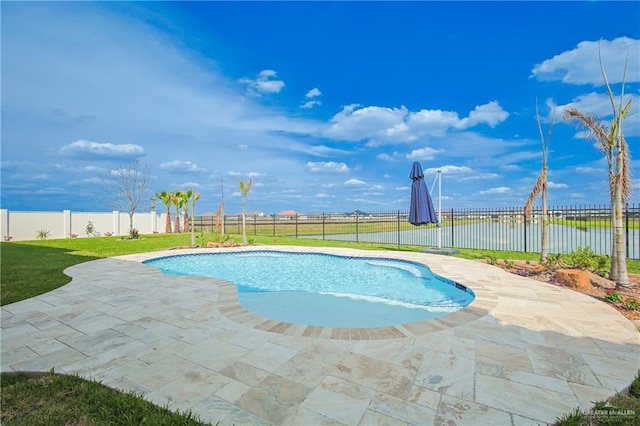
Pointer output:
x,y
540,352
229,305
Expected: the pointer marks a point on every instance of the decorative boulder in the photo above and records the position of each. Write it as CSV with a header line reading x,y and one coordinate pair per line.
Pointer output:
x,y
211,244
574,278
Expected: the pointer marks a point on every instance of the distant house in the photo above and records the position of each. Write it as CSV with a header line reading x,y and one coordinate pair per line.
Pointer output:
x,y
248,215
291,214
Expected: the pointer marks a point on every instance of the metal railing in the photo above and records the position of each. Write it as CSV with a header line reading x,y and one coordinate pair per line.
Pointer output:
x,y
482,228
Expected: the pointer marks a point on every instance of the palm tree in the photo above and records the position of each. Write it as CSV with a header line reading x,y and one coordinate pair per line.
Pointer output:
x,y
541,187
612,143
194,197
176,200
245,187
186,196
165,198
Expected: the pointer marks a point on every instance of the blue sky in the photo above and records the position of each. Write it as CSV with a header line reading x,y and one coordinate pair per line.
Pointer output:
x,y
324,105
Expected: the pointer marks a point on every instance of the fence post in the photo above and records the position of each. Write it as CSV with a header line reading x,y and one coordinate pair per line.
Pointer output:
x,y
524,221
357,236
452,234
626,229
296,225
323,225
398,227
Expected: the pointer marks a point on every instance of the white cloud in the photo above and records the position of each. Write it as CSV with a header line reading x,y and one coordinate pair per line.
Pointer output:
x,y
88,149
178,166
450,170
310,104
482,176
581,65
188,185
599,104
425,153
509,167
315,92
490,114
354,182
382,125
581,169
322,195
499,190
394,157
263,83
327,166
557,185
355,124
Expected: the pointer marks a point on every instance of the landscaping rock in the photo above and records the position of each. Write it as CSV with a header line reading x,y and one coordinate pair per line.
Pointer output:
x,y
574,278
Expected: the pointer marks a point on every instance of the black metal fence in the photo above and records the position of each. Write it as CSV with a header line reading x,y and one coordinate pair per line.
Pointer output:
x,y
484,228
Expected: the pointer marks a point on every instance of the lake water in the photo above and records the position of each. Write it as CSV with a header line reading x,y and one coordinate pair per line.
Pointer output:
x,y
500,236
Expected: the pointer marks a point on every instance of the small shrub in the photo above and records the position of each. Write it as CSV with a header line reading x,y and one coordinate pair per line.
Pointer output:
x,y
601,266
493,260
584,258
43,234
613,296
553,262
634,389
134,234
631,304
509,264
202,239
575,418
89,229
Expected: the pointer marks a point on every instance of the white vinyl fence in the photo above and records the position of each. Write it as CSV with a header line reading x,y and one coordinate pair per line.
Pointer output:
x,y
22,226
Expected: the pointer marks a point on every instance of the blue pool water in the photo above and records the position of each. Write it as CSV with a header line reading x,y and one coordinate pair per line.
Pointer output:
x,y
327,290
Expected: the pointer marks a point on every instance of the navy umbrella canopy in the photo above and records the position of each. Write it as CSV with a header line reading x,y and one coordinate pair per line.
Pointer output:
x,y
421,211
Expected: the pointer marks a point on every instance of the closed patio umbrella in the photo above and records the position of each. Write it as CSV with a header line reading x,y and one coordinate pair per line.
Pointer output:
x,y
421,211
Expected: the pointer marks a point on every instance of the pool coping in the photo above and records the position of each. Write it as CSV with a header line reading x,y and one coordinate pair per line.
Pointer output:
x,y
229,305
526,352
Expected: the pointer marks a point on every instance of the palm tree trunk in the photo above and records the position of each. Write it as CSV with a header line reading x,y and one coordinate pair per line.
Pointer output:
x,y
186,220
167,223
618,232
613,271
244,226
544,250
177,221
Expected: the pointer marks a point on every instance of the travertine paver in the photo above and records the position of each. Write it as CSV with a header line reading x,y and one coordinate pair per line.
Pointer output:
x,y
523,352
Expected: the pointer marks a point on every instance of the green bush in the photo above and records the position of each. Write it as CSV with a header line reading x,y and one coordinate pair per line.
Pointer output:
x,y
613,296
634,389
631,304
43,234
584,258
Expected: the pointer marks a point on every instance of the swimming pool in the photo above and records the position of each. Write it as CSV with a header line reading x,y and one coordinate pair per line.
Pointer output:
x,y
325,289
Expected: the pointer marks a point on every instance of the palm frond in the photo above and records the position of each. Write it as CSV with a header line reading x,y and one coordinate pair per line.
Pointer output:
x,y
535,192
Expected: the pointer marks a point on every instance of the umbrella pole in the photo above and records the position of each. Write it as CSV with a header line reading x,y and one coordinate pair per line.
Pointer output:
x,y
439,175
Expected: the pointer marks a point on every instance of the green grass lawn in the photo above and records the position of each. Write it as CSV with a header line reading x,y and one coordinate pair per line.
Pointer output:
x,y
35,267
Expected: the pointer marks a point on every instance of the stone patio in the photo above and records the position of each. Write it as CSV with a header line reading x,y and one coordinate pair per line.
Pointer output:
x,y
524,352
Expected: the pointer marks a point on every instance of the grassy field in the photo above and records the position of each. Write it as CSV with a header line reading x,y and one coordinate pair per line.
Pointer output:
x,y
31,399
35,267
